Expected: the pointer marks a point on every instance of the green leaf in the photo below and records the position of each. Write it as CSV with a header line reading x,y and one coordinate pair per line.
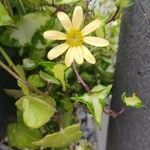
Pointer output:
x,y
48,78
36,112
65,1
59,73
132,101
29,64
28,26
96,110
23,87
46,98
36,81
47,64
14,93
5,19
95,101
62,138
21,136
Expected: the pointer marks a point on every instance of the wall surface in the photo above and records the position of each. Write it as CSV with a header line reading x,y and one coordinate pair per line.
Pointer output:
x,y
131,131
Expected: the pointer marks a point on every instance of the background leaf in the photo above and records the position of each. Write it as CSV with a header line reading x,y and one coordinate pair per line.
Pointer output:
x,y
36,81
21,136
62,138
59,73
36,112
5,19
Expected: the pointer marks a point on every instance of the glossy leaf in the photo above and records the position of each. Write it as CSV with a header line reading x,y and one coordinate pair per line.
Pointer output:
x,y
62,138
36,112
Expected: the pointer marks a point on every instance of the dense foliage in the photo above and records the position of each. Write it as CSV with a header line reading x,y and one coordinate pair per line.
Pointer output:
x,y
50,91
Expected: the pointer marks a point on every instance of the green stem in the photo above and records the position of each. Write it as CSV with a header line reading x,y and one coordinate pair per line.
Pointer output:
x,y
20,79
10,62
23,7
11,72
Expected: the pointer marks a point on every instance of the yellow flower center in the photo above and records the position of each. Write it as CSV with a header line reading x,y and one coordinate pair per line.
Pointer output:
x,y
74,38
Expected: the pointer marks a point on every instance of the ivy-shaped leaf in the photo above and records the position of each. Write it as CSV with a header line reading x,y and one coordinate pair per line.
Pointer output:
x,y
21,136
95,101
28,26
5,19
62,138
36,112
59,73
132,101
36,81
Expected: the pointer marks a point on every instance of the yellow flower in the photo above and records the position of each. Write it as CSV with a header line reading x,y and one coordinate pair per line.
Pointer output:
x,y
74,38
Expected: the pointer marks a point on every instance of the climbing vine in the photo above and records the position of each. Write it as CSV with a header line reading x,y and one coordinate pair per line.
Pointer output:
x,y
66,51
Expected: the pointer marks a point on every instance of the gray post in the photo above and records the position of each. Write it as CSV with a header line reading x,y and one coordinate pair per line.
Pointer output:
x,y
131,131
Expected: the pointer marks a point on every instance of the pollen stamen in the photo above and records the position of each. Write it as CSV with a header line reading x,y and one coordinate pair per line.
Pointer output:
x,y
74,38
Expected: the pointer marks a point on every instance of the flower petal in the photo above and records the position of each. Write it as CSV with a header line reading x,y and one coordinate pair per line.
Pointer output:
x,y
96,41
88,55
77,18
91,27
54,35
69,58
57,51
79,55
64,19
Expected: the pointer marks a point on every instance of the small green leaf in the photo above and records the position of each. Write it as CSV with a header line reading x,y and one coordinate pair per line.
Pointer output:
x,y
59,73
23,87
48,78
36,81
95,101
5,19
62,138
29,64
132,101
47,64
21,136
14,93
97,110
36,112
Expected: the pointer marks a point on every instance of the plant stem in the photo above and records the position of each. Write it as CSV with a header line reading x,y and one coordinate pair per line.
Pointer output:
x,y
23,7
112,18
20,79
11,72
10,62
80,79
112,113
